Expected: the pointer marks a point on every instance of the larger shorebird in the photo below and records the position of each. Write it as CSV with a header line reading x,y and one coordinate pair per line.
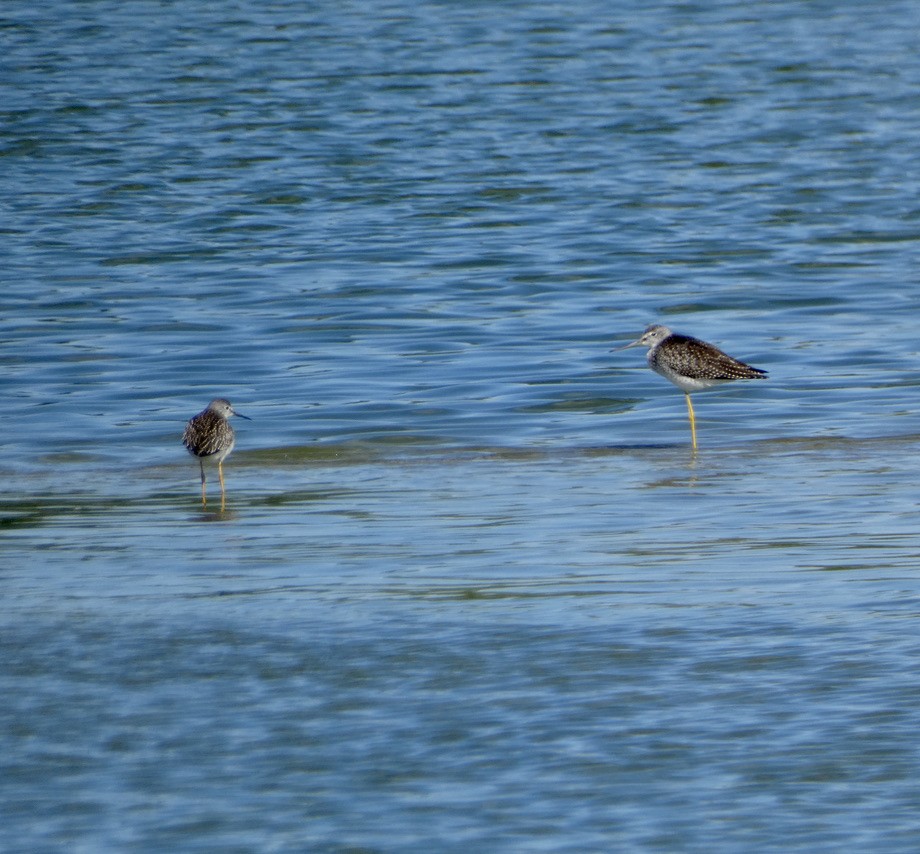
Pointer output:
x,y
691,364
209,436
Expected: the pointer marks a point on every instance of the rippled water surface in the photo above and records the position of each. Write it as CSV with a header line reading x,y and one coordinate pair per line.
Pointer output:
x,y
471,588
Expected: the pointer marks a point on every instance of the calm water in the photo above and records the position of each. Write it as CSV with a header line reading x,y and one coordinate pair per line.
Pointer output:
x,y
471,590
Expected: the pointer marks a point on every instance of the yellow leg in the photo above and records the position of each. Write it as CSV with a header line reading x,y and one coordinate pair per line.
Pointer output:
x,y
204,497
692,420
220,475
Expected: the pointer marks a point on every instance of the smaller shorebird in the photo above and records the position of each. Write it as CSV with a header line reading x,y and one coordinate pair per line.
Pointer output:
x,y
209,436
691,364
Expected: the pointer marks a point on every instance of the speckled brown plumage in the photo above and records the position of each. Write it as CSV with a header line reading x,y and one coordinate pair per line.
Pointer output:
x,y
209,433
698,360
209,436
691,364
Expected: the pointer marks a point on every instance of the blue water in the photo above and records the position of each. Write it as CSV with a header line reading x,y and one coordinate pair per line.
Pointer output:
x,y
471,588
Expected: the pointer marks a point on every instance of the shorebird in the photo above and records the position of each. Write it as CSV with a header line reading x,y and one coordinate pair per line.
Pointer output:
x,y
209,436
691,364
